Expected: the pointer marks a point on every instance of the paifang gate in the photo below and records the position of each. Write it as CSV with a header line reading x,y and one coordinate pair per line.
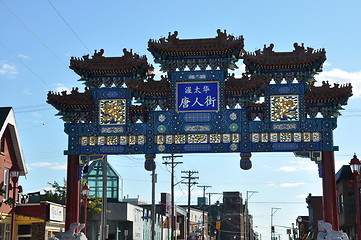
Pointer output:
x,y
198,107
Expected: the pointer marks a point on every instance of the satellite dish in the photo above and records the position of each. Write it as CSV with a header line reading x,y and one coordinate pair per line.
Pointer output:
x,y
299,219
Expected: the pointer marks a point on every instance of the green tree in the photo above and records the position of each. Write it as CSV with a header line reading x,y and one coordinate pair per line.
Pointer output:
x,y
94,205
57,194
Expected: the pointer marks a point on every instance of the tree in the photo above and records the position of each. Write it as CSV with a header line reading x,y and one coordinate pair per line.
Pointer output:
x,y
56,194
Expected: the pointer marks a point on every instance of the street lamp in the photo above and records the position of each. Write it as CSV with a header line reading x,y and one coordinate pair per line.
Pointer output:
x,y
14,174
356,166
85,191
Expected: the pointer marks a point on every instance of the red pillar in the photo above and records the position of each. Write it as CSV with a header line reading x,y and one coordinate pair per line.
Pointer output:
x,y
72,191
330,212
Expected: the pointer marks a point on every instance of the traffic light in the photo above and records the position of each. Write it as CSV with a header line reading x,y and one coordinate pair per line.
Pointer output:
x,y
273,229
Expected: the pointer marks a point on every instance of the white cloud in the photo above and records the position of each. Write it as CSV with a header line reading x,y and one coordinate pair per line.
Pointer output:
x,y
299,166
60,88
59,167
342,77
6,69
41,164
49,165
23,56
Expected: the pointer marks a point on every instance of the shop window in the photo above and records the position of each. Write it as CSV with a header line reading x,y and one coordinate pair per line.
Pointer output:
x,y
24,229
7,232
24,232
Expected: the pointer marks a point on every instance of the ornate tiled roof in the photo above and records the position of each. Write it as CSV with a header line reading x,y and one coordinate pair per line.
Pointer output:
x,y
326,93
100,65
150,86
74,100
175,47
245,84
299,58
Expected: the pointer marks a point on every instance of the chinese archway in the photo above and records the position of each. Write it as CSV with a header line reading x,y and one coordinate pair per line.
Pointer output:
x,y
198,107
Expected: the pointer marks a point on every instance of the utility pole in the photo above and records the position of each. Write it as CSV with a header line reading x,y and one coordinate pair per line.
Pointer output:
x,y
103,218
204,198
248,235
191,181
209,199
173,165
154,180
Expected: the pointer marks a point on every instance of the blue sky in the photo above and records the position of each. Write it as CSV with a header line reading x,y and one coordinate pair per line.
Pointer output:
x,y
39,37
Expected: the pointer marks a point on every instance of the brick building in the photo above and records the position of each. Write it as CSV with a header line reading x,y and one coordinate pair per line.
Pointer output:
x,y
11,161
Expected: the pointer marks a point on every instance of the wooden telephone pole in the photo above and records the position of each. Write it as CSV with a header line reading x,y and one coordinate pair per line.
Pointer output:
x,y
191,181
173,164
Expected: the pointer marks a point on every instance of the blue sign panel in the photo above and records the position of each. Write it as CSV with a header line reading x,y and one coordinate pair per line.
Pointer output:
x,y
197,96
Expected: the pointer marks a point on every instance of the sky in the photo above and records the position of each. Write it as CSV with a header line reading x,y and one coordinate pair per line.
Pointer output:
x,y
38,38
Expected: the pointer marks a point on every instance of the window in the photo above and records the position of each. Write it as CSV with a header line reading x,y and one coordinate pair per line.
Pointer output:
x,y
6,183
24,229
24,232
340,203
2,145
7,232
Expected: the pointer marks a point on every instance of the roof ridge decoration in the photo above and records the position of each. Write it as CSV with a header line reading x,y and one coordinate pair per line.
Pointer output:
x,y
73,107
326,99
109,71
220,52
301,63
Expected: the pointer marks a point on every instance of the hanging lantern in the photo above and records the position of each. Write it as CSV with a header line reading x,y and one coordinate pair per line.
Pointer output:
x,y
246,162
149,163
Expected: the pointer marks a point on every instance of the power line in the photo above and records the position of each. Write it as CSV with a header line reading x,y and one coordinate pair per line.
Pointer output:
x,y
71,29
17,58
173,165
204,203
33,34
191,182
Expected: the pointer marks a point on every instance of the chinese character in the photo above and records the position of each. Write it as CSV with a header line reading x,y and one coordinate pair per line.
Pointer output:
x,y
185,103
196,90
210,101
188,90
197,102
206,89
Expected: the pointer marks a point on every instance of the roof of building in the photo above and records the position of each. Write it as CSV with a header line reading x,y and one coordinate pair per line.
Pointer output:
x,y
172,46
344,173
299,58
74,99
96,169
326,93
7,120
150,86
245,84
99,65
